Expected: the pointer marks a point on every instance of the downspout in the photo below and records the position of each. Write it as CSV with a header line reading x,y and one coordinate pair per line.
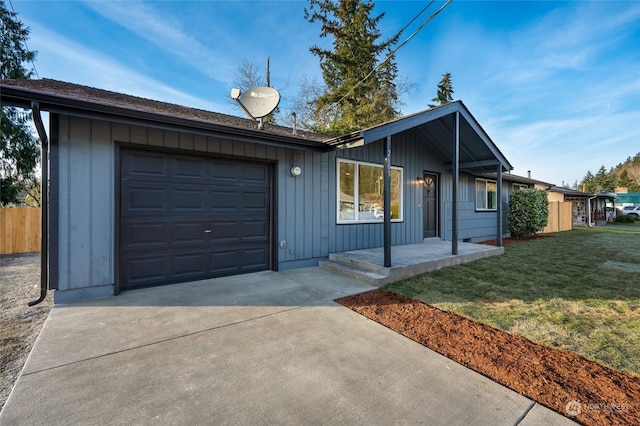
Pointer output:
x,y
44,203
589,209
499,206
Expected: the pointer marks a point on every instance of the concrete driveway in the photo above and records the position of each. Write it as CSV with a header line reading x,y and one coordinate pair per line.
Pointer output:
x,y
264,348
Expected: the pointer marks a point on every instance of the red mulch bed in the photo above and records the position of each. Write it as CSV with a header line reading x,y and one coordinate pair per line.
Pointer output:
x,y
553,378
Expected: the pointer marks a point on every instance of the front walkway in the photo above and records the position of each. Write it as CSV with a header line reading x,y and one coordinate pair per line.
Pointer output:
x,y
407,261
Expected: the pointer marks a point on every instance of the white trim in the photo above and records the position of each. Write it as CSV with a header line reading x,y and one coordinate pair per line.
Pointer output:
x,y
519,186
356,194
475,191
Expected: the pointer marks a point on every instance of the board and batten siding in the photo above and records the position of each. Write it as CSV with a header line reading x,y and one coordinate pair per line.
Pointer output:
x,y
84,164
84,168
415,156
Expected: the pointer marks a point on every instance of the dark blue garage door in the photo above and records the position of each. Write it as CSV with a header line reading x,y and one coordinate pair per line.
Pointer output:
x,y
185,218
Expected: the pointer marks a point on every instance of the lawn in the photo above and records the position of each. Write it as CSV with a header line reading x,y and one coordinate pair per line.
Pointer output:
x,y
578,290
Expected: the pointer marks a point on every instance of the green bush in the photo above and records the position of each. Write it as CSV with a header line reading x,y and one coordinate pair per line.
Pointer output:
x,y
528,212
625,219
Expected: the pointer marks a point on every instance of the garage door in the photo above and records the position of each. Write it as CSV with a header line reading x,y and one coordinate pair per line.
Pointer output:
x,y
185,218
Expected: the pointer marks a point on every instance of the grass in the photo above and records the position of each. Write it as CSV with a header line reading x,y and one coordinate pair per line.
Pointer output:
x,y
579,291
634,223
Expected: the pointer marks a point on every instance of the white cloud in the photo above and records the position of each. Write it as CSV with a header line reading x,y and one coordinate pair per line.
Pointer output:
x,y
66,60
165,32
565,149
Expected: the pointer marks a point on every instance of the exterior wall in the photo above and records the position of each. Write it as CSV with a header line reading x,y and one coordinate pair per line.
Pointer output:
x,y
473,226
555,196
84,174
416,157
84,170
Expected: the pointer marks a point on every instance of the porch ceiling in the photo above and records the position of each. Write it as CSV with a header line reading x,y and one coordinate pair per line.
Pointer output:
x,y
478,153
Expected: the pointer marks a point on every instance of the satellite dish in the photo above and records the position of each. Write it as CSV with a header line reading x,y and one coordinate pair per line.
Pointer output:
x,y
257,102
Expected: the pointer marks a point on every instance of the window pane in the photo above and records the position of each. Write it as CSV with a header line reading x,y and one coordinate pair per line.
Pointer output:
x,y
361,188
347,191
370,189
481,194
492,196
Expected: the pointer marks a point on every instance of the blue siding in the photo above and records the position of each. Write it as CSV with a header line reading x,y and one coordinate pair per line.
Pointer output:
x,y
305,206
415,157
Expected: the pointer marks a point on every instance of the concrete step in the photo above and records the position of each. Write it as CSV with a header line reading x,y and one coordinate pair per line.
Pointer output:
x,y
371,277
358,264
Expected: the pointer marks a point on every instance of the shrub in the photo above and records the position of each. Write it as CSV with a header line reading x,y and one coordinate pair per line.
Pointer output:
x,y
625,219
528,212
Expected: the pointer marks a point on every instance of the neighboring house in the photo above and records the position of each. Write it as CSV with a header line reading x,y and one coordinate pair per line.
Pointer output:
x,y
144,193
587,208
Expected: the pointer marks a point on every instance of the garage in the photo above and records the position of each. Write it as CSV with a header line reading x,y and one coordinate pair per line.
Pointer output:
x,y
186,217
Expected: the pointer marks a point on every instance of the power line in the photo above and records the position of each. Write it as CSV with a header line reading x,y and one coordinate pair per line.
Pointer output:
x,y
24,40
393,52
416,17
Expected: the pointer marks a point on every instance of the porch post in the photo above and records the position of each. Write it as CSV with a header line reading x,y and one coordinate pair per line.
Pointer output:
x,y
456,172
499,206
387,202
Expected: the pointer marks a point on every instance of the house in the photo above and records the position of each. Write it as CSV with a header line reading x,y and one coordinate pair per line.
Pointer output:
x,y
143,193
587,208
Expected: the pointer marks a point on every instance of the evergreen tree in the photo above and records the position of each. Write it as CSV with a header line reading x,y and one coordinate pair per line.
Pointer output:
x,y
602,181
624,180
19,150
587,184
445,91
626,174
359,71
600,174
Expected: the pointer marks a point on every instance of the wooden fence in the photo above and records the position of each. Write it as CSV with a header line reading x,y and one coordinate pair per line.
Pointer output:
x,y
560,217
19,230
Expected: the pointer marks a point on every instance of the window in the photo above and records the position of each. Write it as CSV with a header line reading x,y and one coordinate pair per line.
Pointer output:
x,y
486,195
361,192
519,186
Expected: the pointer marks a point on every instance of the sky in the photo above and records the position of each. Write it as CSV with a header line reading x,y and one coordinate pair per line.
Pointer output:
x,y
556,85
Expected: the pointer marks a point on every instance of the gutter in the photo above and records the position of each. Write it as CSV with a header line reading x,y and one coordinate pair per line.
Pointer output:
x,y
44,203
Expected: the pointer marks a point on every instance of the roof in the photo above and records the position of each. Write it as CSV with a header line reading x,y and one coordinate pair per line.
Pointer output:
x,y
478,153
569,191
74,99
630,197
518,179
576,193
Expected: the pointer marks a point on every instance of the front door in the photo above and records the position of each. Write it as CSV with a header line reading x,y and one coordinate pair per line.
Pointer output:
x,y
430,205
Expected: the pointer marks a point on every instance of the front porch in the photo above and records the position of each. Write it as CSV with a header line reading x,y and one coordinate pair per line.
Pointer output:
x,y
408,260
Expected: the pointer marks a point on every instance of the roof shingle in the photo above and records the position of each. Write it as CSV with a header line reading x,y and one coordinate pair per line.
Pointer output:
x,y
91,95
